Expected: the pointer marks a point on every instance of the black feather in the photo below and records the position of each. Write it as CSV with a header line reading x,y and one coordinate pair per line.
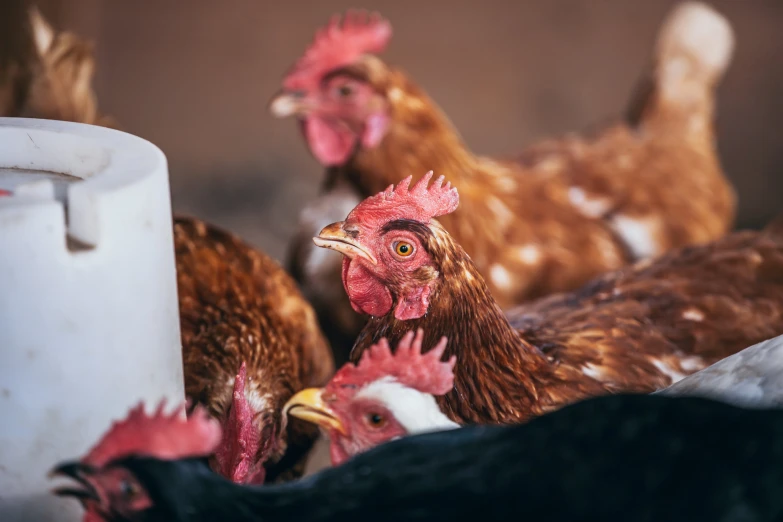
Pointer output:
x,y
619,458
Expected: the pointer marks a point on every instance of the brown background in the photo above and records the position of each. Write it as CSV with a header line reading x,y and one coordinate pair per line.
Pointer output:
x,y
194,77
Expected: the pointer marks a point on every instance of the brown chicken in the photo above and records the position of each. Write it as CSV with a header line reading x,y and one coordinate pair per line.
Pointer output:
x,y
569,209
634,330
250,341
46,74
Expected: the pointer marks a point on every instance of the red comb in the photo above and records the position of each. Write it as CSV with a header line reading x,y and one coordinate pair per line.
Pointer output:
x,y
337,45
408,366
6,193
419,203
158,435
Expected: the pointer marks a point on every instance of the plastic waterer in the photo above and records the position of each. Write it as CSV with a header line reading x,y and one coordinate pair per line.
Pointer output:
x,y
89,322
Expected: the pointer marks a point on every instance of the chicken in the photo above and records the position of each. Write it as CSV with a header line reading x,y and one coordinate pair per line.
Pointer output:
x,y
635,330
48,74
610,458
566,210
750,378
250,341
391,395
386,396
169,436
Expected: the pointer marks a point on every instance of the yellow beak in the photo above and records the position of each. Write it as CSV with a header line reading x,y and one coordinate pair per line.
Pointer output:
x,y
308,405
334,237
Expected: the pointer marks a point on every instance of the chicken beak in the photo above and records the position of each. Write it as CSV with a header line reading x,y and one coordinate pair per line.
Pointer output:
x,y
285,104
309,405
334,237
78,472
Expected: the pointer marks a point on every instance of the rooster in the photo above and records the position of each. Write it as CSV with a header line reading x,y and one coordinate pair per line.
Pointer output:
x,y
386,396
608,458
250,341
635,330
565,211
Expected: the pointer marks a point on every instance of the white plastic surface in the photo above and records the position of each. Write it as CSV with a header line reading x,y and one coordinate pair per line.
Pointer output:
x,y
89,326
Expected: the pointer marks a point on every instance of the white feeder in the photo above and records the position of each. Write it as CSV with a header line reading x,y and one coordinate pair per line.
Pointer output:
x,y
89,321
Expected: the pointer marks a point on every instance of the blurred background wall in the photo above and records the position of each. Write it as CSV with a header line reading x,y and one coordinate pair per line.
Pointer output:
x,y
194,78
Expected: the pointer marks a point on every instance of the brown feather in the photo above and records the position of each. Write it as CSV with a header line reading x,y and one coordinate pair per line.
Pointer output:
x,y
567,209
634,330
237,304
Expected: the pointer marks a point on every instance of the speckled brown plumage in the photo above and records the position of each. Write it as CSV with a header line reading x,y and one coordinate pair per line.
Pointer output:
x,y
237,304
635,330
569,208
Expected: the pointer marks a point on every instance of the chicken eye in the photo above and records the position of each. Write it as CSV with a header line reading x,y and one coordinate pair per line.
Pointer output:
x,y
128,489
376,420
403,248
344,90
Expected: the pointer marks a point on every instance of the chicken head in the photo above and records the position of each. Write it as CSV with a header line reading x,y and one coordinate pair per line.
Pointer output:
x,y
109,492
335,101
385,396
384,240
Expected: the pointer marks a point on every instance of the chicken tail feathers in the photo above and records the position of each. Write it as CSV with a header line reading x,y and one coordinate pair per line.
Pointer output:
x,y
694,48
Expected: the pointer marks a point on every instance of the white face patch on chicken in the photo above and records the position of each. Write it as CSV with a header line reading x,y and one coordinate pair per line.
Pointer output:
x,y
500,276
637,234
417,412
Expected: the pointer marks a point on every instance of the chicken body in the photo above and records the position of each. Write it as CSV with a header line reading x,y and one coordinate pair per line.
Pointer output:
x,y
612,458
637,329
567,209
238,306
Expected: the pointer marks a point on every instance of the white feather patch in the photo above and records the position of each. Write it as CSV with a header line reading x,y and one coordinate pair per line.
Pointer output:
x,y
692,314
637,234
593,371
590,207
529,254
500,276
417,412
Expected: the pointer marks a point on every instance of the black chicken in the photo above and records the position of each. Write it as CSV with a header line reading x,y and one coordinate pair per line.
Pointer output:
x,y
623,457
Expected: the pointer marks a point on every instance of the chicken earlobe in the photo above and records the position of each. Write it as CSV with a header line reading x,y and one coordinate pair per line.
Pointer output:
x,y
413,304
